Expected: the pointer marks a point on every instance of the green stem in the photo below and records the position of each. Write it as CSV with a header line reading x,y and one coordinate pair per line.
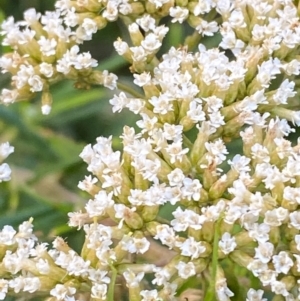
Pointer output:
x,y
111,287
211,292
128,89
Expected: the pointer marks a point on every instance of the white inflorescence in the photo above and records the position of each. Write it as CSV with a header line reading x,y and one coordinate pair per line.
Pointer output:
x,y
226,211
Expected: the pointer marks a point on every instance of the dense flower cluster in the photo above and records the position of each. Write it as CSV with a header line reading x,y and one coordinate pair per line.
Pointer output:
x,y
45,50
227,211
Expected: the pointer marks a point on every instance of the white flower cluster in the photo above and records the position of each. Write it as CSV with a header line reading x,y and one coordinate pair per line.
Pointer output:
x,y
45,51
227,211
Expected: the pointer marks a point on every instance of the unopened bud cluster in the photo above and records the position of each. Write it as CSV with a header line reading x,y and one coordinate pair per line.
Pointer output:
x,y
230,214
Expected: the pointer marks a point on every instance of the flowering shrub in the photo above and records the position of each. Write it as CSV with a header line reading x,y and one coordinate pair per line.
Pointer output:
x,y
235,227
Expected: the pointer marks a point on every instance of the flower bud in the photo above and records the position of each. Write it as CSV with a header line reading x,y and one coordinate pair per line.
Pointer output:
x,y
208,231
135,34
289,282
152,227
219,187
241,258
199,149
149,213
134,221
46,102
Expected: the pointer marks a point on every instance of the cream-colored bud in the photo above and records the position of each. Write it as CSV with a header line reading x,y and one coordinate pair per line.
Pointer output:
x,y
152,227
290,233
191,41
232,93
46,102
241,258
242,239
137,8
100,21
278,298
291,206
126,187
289,282
151,90
138,67
47,284
209,177
96,78
162,11
149,213
233,126
165,167
181,3
139,181
60,245
135,293
208,230
187,123
120,252
134,221
219,187
167,118
135,34
274,235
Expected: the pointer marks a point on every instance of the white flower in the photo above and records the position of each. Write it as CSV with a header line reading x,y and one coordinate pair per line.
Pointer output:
x,y
3,288
227,244
31,284
135,245
264,251
191,247
89,26
36,83
178,13
47,46
8,96
132,279
185,219
100,204
222,290
162,275
166,235
109,79
150,295
176,177
43,266
282,262
151,43
185,270
5,150
257,267
254,295
176,152
5,172
295,219
122,211
276,216
191,189
46,69
207,28
99,291
279,288
61,291
84,61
